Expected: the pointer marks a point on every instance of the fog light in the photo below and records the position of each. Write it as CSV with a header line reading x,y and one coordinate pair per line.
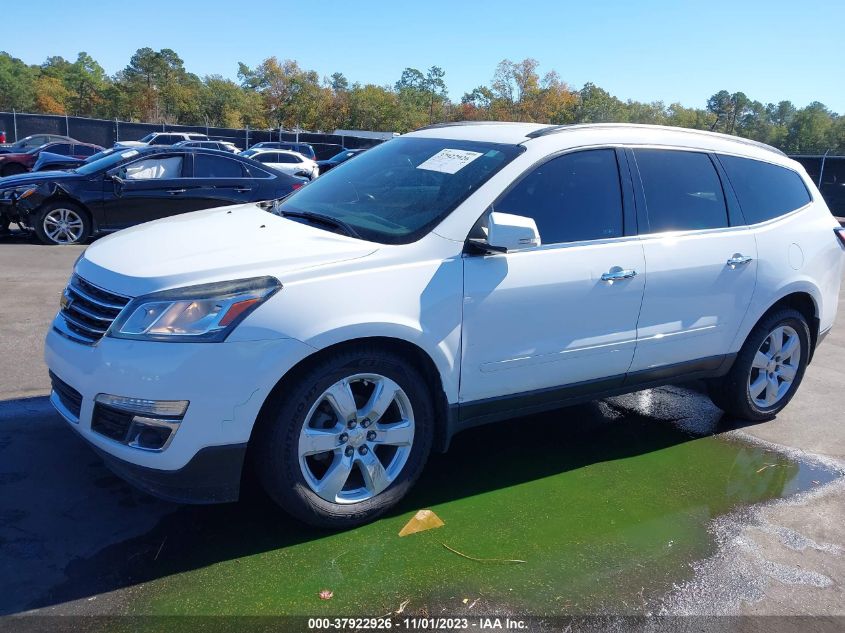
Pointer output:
x,y
165,408
148,425
151,434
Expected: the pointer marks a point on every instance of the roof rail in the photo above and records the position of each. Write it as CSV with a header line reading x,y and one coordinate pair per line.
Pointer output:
x,y
434,126
554,129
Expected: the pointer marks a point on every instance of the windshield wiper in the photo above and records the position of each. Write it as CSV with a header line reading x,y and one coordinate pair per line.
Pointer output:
x,y
319,218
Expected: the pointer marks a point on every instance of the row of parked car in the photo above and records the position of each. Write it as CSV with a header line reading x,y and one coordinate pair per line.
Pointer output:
x,y
64,191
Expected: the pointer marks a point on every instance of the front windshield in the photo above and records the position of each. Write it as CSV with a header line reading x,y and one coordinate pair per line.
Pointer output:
x,y
147,138
249,152
395,193
106,162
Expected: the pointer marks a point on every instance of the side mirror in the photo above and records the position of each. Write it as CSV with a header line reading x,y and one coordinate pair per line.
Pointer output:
x,y
114,175
507,232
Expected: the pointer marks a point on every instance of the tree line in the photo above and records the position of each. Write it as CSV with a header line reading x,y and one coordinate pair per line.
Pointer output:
x,y
156,87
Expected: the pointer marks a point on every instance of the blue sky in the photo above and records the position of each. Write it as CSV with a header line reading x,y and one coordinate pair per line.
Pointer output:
x,y
640,49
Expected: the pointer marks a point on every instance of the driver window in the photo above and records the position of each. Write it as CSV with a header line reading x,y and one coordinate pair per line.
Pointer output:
x,y
573,197
154,169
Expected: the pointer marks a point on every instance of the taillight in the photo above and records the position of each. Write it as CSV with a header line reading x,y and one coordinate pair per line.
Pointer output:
x,y
297,185
840,233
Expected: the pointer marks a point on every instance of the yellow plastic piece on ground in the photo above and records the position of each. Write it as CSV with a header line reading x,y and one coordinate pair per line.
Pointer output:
x,y
421,521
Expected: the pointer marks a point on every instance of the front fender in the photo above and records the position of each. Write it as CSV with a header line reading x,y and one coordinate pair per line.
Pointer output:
x,y
444,354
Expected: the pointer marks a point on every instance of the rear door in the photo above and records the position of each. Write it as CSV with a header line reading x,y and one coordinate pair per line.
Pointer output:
x,y
220,180
701,262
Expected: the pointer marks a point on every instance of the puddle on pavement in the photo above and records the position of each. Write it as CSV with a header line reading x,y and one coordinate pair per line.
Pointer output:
x,y
608,503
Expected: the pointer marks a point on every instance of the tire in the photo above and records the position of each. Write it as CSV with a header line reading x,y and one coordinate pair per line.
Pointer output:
x,y
738,393
295,471
49,228
12,169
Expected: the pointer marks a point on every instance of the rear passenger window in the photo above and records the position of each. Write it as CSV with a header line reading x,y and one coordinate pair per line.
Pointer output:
x,y
84,150
765,191
682,190
573,197
206,166
60,148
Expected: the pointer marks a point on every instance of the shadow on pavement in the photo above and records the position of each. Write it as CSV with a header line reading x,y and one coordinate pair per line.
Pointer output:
x,y
69,529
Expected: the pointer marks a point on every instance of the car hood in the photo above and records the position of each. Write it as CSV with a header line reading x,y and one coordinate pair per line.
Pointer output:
x,y
37,178
50,156
225,243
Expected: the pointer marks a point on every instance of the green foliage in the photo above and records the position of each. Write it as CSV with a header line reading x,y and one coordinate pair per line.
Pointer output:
x,y
156,87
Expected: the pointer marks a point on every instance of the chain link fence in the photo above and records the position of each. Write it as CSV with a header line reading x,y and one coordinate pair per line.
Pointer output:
x,y
106,132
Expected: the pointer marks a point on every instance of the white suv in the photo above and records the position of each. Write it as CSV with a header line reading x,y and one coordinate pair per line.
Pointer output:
x,y
450,277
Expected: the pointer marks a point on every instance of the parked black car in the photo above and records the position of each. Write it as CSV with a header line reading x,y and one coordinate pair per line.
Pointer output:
x,y
131,186
303,148
828,172
337,159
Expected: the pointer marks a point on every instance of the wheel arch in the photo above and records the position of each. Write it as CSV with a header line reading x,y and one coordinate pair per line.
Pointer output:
x,y
402,347
59,195
804,302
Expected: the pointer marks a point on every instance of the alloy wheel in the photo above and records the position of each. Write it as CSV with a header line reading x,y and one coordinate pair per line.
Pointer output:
x,y
356,438
63,226
774,367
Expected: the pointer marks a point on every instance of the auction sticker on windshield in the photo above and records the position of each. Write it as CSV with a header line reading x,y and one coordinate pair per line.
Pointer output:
x,y
449,161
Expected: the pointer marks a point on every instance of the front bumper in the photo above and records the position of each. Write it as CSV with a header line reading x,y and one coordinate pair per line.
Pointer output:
x,y
225,383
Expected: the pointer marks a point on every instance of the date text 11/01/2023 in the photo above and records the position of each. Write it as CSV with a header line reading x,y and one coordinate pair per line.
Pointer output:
x,y
422,624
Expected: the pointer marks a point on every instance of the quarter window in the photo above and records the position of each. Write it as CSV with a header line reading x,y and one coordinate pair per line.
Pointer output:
x,y
682,190
765,191
572,197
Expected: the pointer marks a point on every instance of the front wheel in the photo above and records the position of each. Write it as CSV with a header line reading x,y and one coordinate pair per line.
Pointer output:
x,y
62,223
348,440
768,369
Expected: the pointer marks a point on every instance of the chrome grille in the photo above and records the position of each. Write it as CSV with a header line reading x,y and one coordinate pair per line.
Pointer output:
x,y
87,311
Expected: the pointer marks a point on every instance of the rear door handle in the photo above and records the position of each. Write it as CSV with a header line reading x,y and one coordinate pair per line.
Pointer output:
x,y
738,259
616,273
173,192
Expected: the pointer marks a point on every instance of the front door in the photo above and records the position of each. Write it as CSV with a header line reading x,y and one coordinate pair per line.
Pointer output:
x,y
564,312
147,189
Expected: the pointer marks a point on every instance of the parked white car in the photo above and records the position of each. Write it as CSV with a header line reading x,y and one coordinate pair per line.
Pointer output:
x,y
454,276
285,161
163,138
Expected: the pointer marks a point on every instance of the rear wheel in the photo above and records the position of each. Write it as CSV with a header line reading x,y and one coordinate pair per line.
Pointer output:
x,y
348,440
768,369
62,223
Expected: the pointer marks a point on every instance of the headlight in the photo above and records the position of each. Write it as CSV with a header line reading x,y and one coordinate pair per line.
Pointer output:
x,y
199,314
24,192
18,193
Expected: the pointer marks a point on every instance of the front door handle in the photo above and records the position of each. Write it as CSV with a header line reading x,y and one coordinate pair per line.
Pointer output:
x,y
617,273
173,192
243,189
738,259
